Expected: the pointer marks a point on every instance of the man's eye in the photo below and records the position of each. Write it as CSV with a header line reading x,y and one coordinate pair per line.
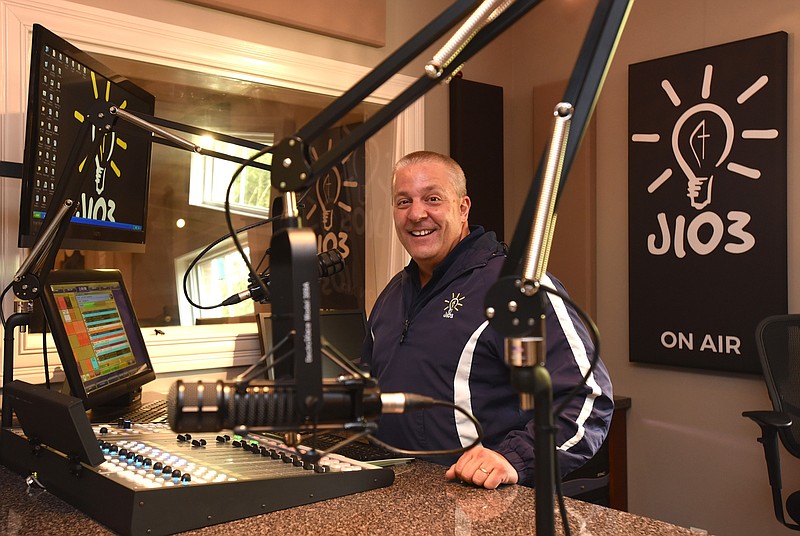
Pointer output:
x,y
434,198
401,202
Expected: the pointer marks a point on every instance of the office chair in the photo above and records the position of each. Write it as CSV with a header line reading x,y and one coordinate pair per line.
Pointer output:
x,y
778,342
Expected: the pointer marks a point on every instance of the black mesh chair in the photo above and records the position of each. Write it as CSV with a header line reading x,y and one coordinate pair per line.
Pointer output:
x,y
778,341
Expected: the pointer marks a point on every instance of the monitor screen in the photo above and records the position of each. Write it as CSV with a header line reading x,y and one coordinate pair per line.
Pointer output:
x,y
97,336
343,330
66,87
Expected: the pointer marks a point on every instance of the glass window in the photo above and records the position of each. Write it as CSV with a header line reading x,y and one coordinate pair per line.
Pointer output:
x,y
187,192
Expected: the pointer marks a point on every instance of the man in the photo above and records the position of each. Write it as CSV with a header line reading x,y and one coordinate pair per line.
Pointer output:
x,y
429,335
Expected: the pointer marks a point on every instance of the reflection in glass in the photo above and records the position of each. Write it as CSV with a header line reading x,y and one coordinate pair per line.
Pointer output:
x,y
190,188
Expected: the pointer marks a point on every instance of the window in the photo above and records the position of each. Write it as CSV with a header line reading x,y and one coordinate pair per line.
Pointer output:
x,y
158,52
209,177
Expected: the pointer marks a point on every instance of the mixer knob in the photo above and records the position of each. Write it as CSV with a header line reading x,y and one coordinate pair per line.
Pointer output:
x,y
176,475
186,478
321,469
122,453
236,443
103,430
167,470
297,461
147,463
157,466
221,439
138,459
126,424
274,454
181,438
113,449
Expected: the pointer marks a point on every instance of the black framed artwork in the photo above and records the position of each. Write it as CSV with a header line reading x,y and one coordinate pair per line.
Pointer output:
x,y
336,208
707,203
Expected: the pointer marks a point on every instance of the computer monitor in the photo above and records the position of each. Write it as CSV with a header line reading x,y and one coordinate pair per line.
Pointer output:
x,y
65,84
98,339
344,330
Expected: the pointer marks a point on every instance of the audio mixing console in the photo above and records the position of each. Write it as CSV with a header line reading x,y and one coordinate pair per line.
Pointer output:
x,y
153,481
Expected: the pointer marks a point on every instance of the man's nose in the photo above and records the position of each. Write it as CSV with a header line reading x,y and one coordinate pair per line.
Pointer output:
x,y
417,212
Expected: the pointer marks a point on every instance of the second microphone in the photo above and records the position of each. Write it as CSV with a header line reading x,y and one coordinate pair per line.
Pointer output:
x,y
330,263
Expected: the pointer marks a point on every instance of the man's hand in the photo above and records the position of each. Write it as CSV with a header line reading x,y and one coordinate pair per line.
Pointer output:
x,y
482,467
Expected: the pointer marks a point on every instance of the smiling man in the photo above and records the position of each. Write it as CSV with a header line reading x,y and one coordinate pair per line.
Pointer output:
x,y
428,335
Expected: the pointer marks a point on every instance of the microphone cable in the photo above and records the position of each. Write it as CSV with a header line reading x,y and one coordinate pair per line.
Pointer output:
x,y
594,333
207,249
429,402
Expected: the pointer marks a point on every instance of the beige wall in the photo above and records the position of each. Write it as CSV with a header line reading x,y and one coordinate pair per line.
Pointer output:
x,y
693,459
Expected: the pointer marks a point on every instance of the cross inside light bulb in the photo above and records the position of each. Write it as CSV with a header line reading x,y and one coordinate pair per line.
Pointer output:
x,y
702,140
328,189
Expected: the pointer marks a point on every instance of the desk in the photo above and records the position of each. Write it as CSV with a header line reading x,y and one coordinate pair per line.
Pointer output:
x,y
420,501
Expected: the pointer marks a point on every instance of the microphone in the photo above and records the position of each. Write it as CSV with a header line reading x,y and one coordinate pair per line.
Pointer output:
x,y
330,263
211,407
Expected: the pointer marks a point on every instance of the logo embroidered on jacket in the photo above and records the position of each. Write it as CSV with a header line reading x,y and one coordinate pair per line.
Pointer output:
x,y
455,301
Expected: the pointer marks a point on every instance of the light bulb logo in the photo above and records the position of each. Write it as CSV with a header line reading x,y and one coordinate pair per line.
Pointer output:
x,y
329,191
103,160
702,141
695,141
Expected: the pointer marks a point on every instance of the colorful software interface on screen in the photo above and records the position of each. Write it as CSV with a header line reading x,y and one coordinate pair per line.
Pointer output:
x,y
95,326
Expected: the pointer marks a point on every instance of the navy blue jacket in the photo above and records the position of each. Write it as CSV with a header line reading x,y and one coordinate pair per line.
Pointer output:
x,y
435,341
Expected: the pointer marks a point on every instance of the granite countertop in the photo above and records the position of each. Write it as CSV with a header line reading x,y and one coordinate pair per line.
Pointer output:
x,y
420,501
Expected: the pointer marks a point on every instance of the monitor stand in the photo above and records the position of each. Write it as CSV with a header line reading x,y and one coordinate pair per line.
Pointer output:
x,y
114,408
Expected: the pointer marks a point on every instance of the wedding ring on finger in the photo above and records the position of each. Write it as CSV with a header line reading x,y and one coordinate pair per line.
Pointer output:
x,y
483,470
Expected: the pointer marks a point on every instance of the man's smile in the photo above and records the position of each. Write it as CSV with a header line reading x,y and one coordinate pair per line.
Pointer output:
x,y
425,232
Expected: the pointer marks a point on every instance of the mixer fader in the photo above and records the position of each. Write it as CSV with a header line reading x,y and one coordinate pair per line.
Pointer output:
x,y
153,481
152,456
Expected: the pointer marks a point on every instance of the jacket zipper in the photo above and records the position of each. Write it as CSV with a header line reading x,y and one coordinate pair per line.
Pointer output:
x,y
417,304
405,330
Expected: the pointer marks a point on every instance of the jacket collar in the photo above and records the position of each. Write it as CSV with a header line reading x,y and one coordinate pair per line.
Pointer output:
x,y
483,245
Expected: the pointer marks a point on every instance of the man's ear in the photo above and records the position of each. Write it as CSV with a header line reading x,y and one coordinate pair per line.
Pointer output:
x,y
466,203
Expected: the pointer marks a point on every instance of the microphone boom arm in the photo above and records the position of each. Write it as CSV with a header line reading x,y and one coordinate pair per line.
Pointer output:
x,y
526,263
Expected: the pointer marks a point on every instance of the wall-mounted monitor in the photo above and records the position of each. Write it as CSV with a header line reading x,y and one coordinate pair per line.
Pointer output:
x,y
65,85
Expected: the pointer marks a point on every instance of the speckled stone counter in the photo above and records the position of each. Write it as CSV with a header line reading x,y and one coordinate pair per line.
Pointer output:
x,y
420,502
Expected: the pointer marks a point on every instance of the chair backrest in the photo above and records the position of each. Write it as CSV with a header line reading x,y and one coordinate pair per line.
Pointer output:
x,y
778,342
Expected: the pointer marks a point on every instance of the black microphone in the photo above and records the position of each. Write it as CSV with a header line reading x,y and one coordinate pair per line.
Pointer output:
x,y
330,263
211,407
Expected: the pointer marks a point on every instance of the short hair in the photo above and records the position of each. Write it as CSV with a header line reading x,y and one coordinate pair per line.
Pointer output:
x,y
455,173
